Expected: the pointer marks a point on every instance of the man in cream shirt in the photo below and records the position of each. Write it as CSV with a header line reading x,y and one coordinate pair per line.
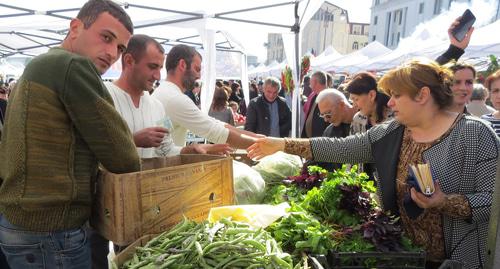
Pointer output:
x,y
183,66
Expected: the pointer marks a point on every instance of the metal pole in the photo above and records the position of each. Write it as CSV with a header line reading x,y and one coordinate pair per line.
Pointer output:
x,y
498,9
325,25
296,93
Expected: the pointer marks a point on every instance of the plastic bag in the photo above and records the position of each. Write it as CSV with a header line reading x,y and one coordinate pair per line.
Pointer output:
x,y
274,168
258,216
249,187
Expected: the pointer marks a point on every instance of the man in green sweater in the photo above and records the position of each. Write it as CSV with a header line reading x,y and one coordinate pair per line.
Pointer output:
x,y
60,124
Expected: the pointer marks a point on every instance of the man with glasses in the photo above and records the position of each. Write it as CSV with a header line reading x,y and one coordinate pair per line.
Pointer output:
x,y
338,112
269,114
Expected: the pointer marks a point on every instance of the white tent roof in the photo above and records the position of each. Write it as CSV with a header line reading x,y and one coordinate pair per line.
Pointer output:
x,y
481,45
344,63
327,56
39,25
484,41
32,26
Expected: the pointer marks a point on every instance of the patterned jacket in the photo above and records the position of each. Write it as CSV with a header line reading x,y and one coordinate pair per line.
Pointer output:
x,y
464,162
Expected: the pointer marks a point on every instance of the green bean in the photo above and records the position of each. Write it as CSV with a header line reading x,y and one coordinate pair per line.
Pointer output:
x,y
213,246
246,260
224,244
239,231
210,262
280,262
140,264
254,244
198,248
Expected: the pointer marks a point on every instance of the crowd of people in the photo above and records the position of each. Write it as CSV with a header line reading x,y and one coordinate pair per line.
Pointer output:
x,y
56,130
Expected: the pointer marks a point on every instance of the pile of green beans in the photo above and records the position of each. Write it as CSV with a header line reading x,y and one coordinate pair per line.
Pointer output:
x,y
224,244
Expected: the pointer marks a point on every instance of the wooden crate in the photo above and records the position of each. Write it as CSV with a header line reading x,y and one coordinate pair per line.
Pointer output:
x,y
128,206
128,252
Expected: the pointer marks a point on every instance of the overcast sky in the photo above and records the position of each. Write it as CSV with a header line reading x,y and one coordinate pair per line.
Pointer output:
x,y
358,10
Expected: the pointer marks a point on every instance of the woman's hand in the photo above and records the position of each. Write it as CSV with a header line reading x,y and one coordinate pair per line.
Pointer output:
x,y
437,199
465,42
265,146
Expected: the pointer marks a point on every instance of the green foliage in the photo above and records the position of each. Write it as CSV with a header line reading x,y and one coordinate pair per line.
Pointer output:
x,y
278,194
324,202
300,232
339,215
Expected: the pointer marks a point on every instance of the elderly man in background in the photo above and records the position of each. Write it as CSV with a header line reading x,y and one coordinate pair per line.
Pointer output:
x,y
269,114
338,112
477,105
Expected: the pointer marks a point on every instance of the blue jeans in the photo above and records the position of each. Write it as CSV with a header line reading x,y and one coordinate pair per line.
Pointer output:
x,y
62,249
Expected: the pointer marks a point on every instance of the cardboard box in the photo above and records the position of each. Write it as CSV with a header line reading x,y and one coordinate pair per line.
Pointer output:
x,y
128,206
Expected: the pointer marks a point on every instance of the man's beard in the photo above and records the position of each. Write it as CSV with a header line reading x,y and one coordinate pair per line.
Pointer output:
x,y
188,80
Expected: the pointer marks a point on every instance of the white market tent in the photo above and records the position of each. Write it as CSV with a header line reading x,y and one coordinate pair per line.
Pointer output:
x,y
273,69
348,62
31,27
327,56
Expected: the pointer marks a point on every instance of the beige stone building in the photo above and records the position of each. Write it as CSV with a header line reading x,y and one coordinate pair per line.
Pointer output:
x,y
330,26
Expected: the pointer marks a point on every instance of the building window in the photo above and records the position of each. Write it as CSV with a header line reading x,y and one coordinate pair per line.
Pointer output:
x,y
356,29
355,45
392,39
421,8
375,20
400,16
374,37
399,36
437,7
377,2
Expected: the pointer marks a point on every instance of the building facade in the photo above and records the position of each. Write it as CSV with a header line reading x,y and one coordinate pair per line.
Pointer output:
x,y
392,20
330,26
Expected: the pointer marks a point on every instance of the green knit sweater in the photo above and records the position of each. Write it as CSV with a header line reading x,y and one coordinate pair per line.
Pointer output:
x,y
60,123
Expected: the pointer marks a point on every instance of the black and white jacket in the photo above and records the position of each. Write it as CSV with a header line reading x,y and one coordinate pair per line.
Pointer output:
x,y
464,162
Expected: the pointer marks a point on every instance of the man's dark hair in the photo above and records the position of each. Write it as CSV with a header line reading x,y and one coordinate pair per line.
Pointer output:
x,y
93,8
320,76
235,86
177,53
138,45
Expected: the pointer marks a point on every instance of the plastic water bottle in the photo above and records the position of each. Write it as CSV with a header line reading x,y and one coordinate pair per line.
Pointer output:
x,y
168,143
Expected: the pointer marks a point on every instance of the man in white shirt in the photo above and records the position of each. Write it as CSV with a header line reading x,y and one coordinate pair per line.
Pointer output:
x,y
183,66
144,114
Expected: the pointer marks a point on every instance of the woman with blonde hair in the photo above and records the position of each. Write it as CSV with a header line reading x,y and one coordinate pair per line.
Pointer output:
x,y
462,151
